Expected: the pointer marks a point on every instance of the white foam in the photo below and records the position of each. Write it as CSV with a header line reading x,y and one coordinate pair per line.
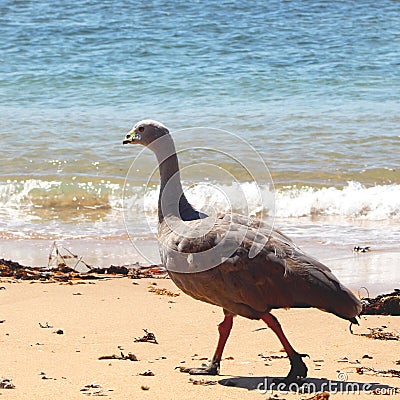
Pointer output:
x,y
353,201
40,193
245,197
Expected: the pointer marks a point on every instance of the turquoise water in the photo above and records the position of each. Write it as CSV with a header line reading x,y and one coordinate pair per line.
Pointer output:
x,y
313,86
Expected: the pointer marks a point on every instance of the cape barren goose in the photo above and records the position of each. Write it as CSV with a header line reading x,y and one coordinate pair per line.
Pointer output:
x,y
235,262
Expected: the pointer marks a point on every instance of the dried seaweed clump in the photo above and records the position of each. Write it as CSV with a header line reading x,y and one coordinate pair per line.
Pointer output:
x,y
60,272
384,304
394,373
320,396
202,382
380,334
5,383
162,291
129,356
148,337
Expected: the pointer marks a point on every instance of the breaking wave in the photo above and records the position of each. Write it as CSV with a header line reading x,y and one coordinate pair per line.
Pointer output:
x,y
352,201
58,194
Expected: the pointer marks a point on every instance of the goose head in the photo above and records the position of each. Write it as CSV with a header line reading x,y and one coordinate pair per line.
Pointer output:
x,y
146,132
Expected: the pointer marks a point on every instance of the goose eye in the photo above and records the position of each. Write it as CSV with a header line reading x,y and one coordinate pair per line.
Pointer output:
x,y
141,129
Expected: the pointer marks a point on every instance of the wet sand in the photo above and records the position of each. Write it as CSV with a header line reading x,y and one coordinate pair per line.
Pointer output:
x,y
103,318
370,273
96,252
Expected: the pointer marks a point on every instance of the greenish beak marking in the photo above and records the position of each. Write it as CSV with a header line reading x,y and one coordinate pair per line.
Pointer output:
x,y
130,137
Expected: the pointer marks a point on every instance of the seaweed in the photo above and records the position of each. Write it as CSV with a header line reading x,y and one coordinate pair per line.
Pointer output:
x,y
162,291
5,383
148,337
394,373
202,382
380,334
384,304
129,356
58,271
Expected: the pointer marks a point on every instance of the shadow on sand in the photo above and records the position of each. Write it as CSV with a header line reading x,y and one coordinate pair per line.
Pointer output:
x,y
273,385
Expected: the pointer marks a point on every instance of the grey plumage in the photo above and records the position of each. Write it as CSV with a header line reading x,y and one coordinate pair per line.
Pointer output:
x,y
279,276
238,263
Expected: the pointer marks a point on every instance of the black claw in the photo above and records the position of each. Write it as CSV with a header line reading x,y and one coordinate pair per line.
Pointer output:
x,y
298,370
303,355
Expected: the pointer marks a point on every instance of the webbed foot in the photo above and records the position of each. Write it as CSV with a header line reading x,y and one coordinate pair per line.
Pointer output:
x,y
298,370
211,369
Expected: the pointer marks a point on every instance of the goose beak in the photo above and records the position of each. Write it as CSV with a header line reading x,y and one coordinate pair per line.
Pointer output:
x,y
130,137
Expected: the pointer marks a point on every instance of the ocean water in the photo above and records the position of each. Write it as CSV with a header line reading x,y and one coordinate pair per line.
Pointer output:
x,y
282,109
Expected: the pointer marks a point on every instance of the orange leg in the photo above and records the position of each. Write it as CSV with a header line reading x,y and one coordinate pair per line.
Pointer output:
x,y
298,368
224,329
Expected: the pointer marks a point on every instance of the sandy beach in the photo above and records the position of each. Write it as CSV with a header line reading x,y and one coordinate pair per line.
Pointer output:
x,y
102,318
283,111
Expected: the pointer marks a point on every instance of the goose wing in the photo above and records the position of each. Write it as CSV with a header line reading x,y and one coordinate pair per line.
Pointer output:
x,y
249,268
